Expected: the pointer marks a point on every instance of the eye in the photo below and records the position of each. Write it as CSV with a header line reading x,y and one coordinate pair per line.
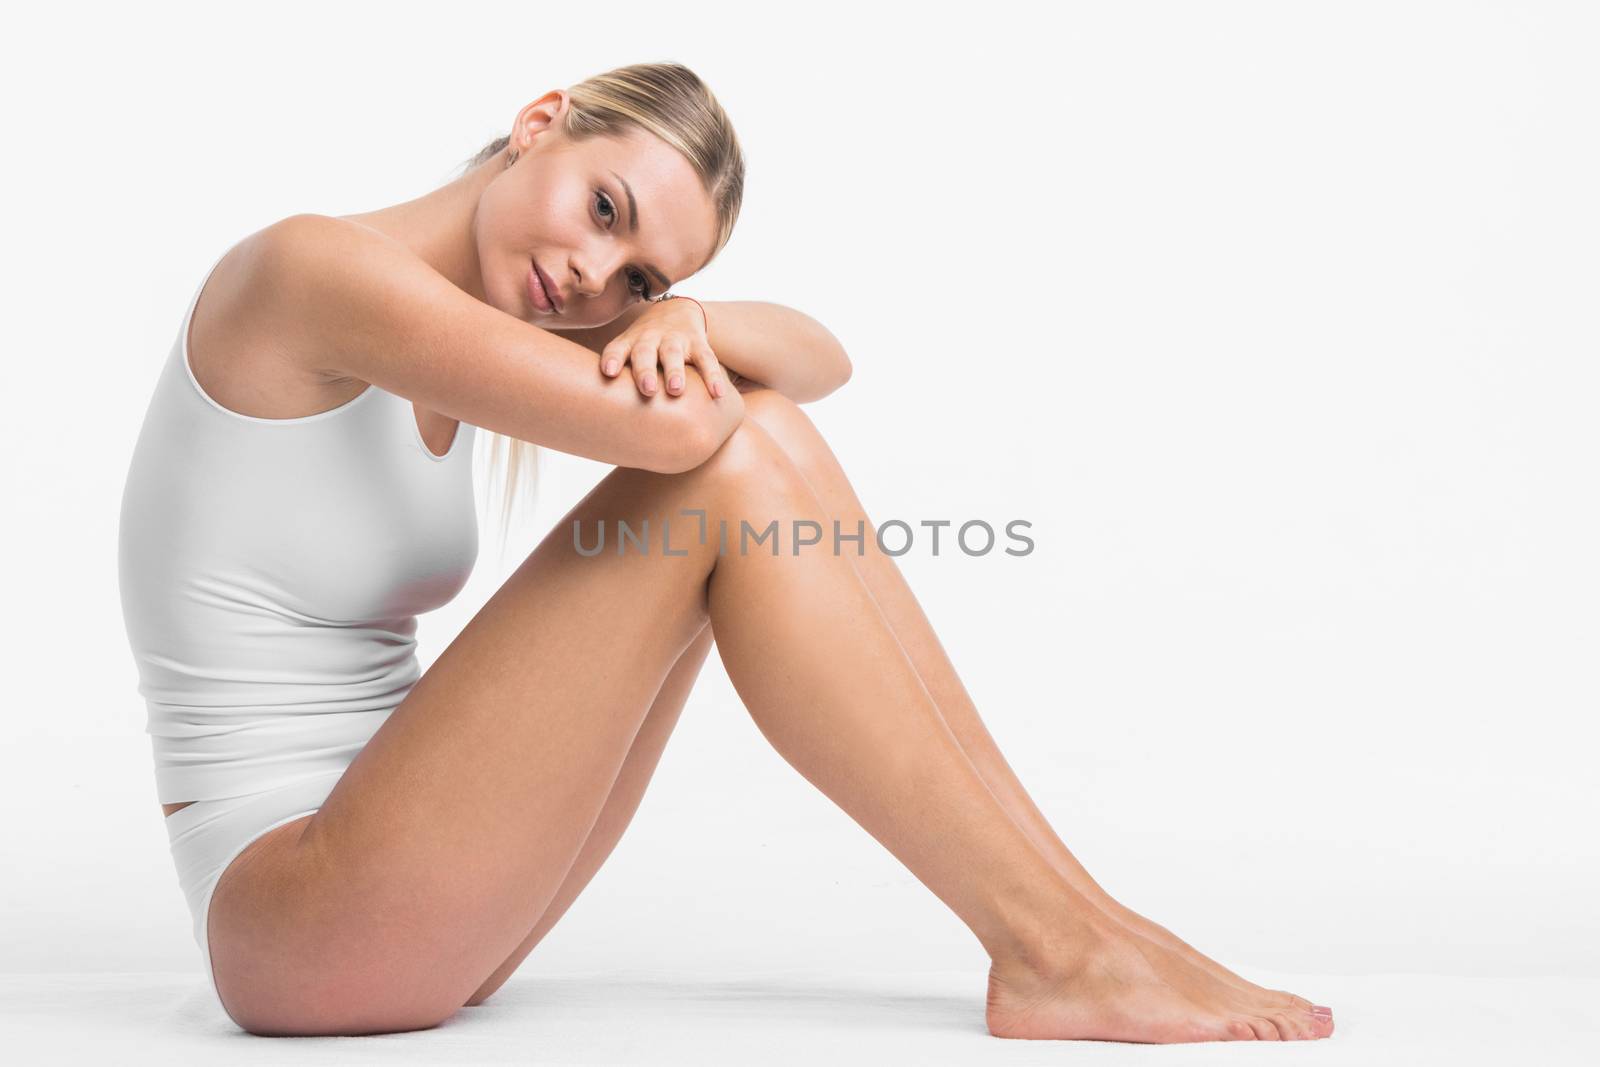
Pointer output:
x,y
643,288
608,213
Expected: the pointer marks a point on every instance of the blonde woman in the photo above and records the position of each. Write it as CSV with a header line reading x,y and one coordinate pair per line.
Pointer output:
x,y
366,848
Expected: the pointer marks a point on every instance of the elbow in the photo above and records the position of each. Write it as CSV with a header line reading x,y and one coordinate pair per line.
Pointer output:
x,y
695,437
828,381
683,453
839,367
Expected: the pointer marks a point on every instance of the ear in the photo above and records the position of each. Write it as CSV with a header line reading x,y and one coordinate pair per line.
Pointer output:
x,y
543,114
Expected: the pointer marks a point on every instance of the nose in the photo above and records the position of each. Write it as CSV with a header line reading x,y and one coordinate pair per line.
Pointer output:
x,y
592,270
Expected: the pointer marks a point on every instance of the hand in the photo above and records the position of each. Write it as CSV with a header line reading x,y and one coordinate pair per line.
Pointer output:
x,y
670,333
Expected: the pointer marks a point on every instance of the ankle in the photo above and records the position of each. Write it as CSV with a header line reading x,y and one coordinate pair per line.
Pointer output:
x,y
1049,941
1040,970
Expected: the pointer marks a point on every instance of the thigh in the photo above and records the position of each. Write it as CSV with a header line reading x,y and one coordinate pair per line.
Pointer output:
x,y
620,806
452,830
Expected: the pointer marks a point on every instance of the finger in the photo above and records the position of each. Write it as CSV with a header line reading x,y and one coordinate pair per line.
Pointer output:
x,y
716,378
614,355
644,365
672,364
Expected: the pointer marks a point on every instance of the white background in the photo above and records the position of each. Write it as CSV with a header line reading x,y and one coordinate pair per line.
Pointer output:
x,y
1281,333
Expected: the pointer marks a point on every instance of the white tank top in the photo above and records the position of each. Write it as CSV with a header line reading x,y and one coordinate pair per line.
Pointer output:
x,y
271,573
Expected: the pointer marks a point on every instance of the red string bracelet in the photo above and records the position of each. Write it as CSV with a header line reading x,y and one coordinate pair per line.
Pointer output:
x,y
679,296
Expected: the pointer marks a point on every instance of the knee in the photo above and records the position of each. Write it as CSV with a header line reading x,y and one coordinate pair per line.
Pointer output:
x,y
752,458
772,409
787,424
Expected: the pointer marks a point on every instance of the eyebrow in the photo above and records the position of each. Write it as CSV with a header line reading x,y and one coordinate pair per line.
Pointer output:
x,y
633,226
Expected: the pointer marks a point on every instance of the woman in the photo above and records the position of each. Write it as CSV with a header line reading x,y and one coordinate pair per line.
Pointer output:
x,y
366,848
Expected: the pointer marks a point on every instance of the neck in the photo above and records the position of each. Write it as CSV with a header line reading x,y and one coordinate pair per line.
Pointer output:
x,y
438,226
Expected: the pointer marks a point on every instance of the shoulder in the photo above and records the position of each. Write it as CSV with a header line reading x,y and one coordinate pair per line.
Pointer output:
x,y
315,249
262,282
330,277
296,285
310,235
248,338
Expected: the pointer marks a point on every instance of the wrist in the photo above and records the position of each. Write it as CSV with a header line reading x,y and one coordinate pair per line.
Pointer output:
x,y
705,319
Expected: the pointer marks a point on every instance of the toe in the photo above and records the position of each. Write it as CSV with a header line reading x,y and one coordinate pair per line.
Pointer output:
x,y
1293,1000
1241,1030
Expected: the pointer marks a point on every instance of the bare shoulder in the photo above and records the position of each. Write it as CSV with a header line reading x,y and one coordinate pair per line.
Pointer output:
x,y
287,278
318,242
330,288
245,349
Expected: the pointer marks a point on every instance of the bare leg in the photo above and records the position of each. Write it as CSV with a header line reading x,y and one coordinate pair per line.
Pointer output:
x,y
620,806
805,445
450,834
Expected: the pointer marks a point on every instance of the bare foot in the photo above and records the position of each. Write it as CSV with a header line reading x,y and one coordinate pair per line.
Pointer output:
x,y
1268,1015
1127,920
1109,992
1153,932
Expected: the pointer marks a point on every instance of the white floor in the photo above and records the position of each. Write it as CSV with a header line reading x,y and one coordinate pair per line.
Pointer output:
x,y
835,1020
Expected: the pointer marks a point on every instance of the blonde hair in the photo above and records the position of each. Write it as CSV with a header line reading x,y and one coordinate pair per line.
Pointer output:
x,y
670,101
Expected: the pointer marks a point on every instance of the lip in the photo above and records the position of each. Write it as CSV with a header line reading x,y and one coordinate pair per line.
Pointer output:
x,y
545,289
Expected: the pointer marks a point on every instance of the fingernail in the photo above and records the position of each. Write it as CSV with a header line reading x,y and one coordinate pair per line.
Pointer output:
x,y
649,382
611,366
716,388
675,382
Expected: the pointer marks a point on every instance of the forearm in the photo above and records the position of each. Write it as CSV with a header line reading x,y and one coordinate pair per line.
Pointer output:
x,y
774,345
779,347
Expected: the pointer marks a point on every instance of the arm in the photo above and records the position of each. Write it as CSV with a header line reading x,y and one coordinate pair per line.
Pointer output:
x,y
347,301
768,343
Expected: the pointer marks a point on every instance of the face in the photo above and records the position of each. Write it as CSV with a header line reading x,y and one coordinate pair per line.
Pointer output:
x,y
603,223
